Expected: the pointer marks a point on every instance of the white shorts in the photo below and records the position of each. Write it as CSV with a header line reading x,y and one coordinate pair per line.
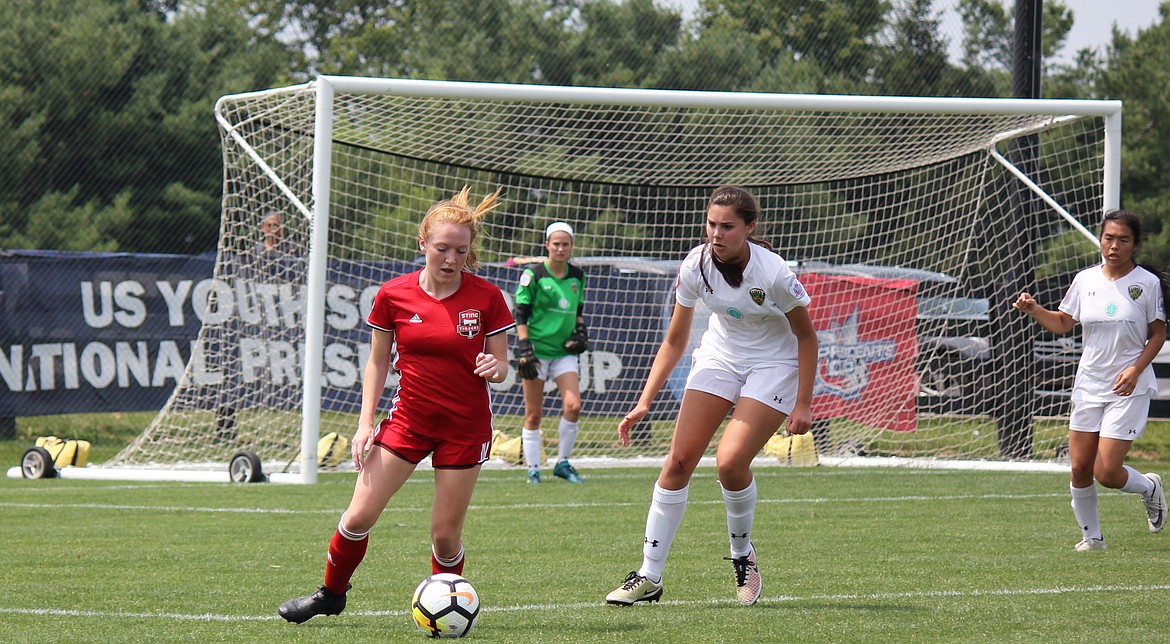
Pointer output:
x,y
1123,419
773,384
556,367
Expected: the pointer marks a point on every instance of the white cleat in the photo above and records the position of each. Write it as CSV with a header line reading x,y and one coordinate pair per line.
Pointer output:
x,y
1086,545
635,588
1156,505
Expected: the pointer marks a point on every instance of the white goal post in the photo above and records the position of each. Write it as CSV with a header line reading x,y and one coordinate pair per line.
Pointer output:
x,y
955,201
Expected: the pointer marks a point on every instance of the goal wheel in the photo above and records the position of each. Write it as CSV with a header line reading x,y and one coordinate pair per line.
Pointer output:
x,y
245,468
37,463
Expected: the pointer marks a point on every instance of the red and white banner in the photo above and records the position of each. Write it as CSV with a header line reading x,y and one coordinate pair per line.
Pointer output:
x,y
868,344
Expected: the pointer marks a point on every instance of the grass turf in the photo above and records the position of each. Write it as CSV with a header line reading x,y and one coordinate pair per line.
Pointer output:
x,y
846,554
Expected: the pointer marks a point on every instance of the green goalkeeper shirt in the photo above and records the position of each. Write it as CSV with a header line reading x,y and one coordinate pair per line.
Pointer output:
x,y
555,303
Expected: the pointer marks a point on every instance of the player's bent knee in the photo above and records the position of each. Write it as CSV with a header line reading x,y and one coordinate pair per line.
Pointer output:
x,y
680,467
734,470
1112,479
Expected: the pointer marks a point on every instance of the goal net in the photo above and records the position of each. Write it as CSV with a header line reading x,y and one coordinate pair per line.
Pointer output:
x,y
912,221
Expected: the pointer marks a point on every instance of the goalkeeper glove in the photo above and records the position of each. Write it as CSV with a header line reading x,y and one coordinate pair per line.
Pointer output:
x,y
578,341
526,361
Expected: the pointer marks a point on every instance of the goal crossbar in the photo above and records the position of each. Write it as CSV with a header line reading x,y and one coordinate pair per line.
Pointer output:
x,y
353,161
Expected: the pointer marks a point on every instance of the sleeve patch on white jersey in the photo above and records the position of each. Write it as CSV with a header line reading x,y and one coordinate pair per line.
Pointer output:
x,y
796,288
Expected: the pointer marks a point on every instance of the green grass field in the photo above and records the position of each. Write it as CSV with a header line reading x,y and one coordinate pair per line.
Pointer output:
x,y
847,555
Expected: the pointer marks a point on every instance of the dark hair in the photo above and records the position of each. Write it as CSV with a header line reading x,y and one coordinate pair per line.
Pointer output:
x,y
1133,222
748,209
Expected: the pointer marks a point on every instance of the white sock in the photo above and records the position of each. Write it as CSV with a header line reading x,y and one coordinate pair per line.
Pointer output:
x,y
1137,483
568,436
666,513
1084,505
741,511
530,440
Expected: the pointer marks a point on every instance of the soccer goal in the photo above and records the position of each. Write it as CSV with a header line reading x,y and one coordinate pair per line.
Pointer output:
x,y
913,222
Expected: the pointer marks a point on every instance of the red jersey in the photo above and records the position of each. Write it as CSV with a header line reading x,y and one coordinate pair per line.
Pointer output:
x,y
437,341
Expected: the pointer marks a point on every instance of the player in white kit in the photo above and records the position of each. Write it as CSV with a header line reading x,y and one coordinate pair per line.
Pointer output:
x,y
1120,306
757,356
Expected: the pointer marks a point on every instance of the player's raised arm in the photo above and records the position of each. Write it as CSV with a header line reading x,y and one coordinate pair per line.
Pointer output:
x,y
1057,322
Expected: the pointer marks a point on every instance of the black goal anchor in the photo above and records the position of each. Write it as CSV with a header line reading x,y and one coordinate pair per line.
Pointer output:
x,y
245,468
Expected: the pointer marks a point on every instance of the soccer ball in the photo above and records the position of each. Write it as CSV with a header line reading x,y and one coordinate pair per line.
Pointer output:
x,y
445,605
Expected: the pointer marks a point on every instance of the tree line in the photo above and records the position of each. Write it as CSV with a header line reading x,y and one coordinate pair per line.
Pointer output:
x,y
107,140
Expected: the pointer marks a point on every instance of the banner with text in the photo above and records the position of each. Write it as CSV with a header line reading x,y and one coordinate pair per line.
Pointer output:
x,y
105,332
867,344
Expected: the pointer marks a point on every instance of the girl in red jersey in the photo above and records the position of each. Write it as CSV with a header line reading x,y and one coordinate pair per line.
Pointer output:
x,y
449,326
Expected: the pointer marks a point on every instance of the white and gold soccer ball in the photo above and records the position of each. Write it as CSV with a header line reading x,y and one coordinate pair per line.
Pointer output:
x,y
445,605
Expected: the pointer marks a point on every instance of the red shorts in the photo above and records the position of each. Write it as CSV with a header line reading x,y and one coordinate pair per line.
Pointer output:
x,y
414,447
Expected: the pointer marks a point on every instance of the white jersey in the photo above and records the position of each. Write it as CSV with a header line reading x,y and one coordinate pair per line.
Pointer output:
x,y
1115,317
747,324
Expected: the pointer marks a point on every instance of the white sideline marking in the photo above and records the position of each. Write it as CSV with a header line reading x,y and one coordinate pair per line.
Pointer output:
x,y
779,599
216,474
508,476
543,506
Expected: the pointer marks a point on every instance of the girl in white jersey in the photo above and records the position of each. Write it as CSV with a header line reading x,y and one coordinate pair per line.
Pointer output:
x,y
1121,308
758,356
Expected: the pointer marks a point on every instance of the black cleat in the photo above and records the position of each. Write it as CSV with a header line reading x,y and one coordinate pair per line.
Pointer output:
x,y
322,602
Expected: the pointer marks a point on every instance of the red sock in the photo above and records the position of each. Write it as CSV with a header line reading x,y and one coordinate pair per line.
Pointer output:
x,y
437,567
344,557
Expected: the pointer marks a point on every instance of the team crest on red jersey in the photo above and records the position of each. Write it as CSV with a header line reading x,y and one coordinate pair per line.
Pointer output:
x,y
470,323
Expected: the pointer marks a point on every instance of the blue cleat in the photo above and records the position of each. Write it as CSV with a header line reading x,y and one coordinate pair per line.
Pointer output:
x,y
565,471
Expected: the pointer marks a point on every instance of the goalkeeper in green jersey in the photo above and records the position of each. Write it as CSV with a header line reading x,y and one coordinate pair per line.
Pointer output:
x,y
550,325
